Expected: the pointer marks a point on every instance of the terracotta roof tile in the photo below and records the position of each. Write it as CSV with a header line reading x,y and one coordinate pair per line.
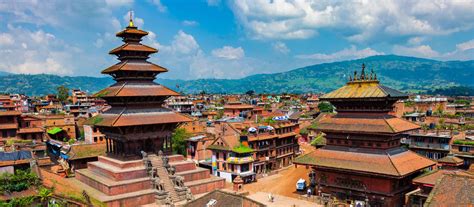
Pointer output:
x,y
10,113
400,164
131,31
9,126
369,124
131,118
452,190
430,178
129,65
136,89
133,47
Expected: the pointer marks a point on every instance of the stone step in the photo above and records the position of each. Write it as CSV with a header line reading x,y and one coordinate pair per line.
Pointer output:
x,y
120,163
205,185
137,198
184,165
196,174
112,187
175,158
116,173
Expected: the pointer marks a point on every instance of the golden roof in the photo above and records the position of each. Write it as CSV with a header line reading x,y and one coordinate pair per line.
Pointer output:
x,y
364,86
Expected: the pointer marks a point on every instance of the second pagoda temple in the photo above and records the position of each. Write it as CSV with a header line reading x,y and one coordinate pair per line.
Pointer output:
x,y
137,120
363,162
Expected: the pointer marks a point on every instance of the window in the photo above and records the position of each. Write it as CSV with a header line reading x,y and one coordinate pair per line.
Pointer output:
x,y
244,168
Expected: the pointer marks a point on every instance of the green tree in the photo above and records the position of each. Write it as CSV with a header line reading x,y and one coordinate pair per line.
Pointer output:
x,y
62,93
220,114
179,138
45,194
250,92
325,107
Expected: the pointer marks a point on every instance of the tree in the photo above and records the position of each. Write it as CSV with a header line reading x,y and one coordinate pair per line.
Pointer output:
x,y
179,138
62,93
325,107
220,114
45,194
250,92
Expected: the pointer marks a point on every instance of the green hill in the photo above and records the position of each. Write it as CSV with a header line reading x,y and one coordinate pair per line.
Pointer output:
x,y
403,73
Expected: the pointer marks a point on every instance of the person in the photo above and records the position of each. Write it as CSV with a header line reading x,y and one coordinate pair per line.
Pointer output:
x,y
270,197
309,192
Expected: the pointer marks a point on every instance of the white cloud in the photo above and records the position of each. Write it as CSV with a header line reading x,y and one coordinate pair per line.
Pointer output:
x,y
416,40
345,54
190,23
159,5
463,51
356,20
280,47
6,39
138,22
119,3
466,45
186,60
184,43
416,51
37,52
229,53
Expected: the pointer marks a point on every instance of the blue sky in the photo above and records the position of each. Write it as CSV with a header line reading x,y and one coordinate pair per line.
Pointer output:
x,y
229,39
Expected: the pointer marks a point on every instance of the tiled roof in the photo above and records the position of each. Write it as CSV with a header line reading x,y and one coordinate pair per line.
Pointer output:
x,y
10,113
238,106
133,47
386,124
132,31
257,137
130,117
224,199
397,163
129,65
218,147
363,89
87,150
9,126
452,190
451,159
430,178
136,89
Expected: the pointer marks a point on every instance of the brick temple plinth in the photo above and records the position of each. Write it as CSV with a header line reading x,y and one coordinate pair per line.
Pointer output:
x,y
119,183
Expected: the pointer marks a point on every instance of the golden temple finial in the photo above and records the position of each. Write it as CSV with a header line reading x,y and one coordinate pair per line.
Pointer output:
x,y
355,75
350,78
130,23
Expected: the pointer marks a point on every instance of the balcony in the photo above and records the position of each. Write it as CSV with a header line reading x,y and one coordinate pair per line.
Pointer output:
x,y
433,146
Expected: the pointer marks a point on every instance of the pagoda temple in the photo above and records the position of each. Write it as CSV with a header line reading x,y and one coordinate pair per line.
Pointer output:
x,y
138,169
363,162
137,120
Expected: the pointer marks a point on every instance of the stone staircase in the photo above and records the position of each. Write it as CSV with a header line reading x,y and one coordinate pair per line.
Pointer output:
x,y
198,180
157,163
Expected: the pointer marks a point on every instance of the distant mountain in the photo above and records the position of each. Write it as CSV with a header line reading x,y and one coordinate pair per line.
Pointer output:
x,y
404,73
3,73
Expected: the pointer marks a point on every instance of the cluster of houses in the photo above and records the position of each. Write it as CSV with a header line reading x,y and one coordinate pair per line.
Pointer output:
x,y
245,136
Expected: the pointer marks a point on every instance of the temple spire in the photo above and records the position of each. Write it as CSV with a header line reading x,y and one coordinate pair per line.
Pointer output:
x,y
130,23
